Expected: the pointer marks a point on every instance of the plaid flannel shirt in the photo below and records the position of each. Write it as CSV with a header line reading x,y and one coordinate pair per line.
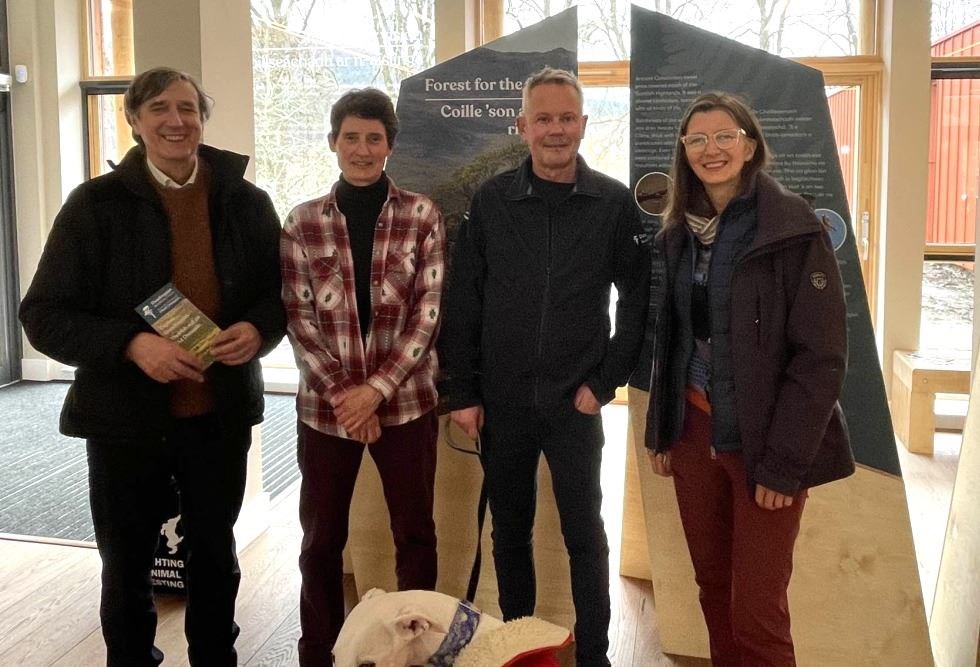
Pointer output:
x,y
398,357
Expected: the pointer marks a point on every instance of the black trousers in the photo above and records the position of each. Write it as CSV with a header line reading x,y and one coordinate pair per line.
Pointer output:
x,y
513,440
406,459
129,484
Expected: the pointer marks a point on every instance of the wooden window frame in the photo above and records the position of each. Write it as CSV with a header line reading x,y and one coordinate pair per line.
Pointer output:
x,y
93,85
91,131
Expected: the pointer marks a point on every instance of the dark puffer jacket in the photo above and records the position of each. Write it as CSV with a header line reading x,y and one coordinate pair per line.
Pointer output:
x,y
109,250
787,347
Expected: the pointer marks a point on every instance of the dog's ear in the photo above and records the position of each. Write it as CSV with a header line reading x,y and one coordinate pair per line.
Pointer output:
x,y
373,593
412,622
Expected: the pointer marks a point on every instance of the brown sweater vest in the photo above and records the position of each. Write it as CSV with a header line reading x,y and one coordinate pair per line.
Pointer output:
x,y
193,273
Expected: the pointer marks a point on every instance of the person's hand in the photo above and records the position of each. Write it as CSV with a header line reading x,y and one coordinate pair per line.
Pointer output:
x,y
237,344
470,420
585,401
768,499
163,360
369,433
356,406
661,463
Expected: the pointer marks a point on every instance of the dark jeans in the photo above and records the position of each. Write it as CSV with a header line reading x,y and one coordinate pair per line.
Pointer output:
x,y
512,441
406,459
742,554
129,486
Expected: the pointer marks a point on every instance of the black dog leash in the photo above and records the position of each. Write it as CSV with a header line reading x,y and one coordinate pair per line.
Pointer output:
x,y
481,515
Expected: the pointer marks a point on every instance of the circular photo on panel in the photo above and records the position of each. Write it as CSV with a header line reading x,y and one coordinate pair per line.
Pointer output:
x,y
651,192
835,226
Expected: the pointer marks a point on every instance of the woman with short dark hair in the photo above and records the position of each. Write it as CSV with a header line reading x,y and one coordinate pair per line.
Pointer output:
x,y
750,356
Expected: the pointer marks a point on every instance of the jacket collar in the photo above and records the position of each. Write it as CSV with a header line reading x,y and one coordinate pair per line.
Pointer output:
x,y
586,182
226,168
781,215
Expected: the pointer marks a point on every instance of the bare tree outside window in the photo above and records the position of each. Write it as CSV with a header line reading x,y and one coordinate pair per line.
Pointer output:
x,y
949,16
789,28
305,54
406,37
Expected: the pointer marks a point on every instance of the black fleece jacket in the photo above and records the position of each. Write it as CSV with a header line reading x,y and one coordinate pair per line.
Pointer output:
x,y
526,320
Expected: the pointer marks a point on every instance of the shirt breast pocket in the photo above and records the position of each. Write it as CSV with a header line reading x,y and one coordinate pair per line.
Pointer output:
x,y
328,282
399,278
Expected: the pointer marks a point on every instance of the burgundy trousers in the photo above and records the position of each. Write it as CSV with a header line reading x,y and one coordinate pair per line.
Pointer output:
x,y
742,554
406,459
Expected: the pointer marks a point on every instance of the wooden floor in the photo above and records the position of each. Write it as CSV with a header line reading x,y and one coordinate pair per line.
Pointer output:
x,y
49,593
49,596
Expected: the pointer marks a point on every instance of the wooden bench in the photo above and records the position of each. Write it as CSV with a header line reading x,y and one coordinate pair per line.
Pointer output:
x,y
917,376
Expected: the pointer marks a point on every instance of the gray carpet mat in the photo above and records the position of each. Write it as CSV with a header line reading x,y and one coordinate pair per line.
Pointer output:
x,y
44,477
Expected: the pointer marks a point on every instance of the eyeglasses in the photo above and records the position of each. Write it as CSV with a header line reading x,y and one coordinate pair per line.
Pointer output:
x,y
724,139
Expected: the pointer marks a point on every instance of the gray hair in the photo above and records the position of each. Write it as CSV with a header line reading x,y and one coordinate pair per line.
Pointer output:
x,y
549,75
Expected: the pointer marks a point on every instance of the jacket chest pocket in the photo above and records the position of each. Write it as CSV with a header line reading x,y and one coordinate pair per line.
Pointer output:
x,y
399,277
328,282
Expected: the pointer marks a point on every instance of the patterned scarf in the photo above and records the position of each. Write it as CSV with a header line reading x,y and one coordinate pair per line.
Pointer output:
x,y
704,228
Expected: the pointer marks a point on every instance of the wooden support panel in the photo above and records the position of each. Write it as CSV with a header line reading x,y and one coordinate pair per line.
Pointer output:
x,y
855,596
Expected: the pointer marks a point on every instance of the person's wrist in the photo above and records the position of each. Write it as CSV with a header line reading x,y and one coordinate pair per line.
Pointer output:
x,y
133,342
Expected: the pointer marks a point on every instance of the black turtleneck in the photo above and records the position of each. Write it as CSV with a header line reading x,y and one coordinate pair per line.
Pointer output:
x,y
361,206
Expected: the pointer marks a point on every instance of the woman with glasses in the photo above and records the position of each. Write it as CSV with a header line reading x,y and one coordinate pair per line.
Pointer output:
x,y
750,355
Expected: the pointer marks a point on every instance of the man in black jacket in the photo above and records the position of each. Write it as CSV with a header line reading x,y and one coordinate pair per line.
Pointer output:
x,y
173,211
527,350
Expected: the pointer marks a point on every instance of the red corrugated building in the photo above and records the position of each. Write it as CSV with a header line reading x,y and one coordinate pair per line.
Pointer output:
x,y
954,144
843,116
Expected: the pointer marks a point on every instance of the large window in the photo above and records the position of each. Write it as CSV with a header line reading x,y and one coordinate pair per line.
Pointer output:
x,y
949,17
954,176
835,36
110,43
110,65
306,53
791,28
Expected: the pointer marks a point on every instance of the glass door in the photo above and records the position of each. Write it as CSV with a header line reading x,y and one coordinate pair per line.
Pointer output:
x,y
9,329
854,112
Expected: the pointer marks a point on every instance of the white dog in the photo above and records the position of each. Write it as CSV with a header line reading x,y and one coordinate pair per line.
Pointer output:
x,y
410,628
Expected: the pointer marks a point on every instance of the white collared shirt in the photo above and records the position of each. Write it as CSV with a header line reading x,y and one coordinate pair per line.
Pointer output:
x,y
168,182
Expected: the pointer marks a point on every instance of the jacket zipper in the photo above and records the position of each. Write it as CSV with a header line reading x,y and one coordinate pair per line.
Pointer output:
x,y
544,310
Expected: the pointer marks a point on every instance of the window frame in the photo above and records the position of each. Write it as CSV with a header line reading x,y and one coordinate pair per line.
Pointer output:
x,y
92,85
91,133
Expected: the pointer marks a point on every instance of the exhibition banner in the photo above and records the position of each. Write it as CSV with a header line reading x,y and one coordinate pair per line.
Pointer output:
x,y
672,63
458,119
